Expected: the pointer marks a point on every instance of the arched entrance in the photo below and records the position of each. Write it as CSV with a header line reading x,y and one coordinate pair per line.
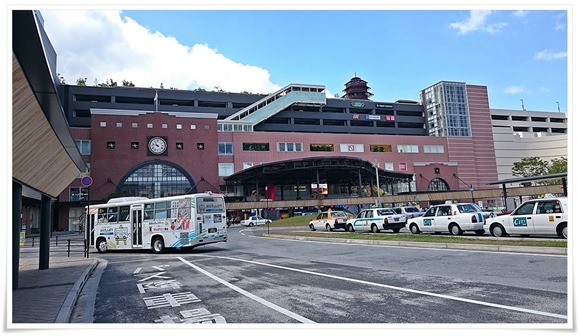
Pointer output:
x,y
156,179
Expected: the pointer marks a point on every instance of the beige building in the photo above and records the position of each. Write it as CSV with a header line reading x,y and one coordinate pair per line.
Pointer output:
x,y
518,134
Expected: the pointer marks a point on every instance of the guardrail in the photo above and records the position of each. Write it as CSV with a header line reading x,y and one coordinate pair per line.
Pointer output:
x,y
69,246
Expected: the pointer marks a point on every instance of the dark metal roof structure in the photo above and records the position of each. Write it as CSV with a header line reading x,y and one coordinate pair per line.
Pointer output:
x,y
327,169
530,178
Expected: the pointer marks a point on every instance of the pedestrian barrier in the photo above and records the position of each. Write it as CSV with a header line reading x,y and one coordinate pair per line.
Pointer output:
x,y
59,246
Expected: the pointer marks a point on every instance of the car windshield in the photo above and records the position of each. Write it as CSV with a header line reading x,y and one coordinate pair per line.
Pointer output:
x,y
412,209
385,212
463,208
339,214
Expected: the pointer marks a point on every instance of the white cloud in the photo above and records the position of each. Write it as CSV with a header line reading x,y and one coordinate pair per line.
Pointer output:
x,y
521,13
514,89
547,54
561,22
478,21
101,45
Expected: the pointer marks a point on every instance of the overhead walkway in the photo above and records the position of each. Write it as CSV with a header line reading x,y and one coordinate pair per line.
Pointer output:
x,y
292,94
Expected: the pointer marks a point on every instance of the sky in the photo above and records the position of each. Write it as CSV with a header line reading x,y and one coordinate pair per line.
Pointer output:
x,y
520,53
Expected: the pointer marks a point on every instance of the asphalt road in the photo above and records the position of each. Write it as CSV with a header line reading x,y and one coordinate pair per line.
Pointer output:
x,y
256,280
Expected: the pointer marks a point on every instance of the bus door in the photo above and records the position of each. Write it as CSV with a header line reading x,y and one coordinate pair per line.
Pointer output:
x,y
137,225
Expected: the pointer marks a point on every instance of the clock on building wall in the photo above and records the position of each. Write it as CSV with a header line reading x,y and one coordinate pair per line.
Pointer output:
x,y
157,145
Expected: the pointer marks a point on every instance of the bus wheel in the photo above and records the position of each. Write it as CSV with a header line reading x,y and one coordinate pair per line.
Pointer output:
x,y
157,245
101,245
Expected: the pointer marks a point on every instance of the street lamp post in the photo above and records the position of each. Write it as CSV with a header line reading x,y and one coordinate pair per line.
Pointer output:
x,y
378,185
471,189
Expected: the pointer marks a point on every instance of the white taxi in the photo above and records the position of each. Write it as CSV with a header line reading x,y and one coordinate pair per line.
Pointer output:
x,y
375,220
455,218
255,220
542,216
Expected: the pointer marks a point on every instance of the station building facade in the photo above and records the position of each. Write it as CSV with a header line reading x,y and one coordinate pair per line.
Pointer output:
x,y
206,136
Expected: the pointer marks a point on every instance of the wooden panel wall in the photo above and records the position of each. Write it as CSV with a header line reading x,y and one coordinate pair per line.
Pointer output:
x,y
39,159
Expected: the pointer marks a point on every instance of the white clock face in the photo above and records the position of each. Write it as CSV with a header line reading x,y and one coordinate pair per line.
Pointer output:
x,y
157,145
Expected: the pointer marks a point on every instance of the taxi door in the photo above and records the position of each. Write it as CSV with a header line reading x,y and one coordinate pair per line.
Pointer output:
x,y
443,218
547,216
522,219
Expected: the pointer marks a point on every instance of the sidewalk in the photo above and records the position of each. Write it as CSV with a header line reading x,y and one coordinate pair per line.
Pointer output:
x,y
48,295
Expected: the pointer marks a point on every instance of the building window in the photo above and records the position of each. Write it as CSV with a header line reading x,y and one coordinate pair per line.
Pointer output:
x,y
433,149
134,145
380,148
437,184
192,127
163,125
290,147
103,124
75,215
157,180
134,125
225,148
149,125
389,166
179,145
225,169
77,194
321,147
407,148
352,148
178,126
206,127
111,144
256,147
119,125
84,146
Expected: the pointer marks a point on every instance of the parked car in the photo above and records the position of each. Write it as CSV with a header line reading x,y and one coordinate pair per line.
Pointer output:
x,y
255,220
455,218
375,220
409,211
330,220
543,216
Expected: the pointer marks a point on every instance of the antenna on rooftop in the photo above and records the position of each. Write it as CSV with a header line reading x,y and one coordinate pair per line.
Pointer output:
x,y
523,108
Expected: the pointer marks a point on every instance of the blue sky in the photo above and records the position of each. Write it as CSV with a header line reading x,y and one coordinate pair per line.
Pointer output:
x,y
519,54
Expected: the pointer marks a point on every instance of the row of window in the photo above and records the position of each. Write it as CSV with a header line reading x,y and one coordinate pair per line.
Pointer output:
x,y
227,148
150,125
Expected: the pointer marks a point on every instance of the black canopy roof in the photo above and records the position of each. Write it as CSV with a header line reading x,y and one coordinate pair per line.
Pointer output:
x,y
333,169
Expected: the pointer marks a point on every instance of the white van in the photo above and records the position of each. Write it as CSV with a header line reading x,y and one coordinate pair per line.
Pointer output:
x,y
542,216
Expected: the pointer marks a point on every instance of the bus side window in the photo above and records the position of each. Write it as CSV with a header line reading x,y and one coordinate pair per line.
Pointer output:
x,y
112,214
124,213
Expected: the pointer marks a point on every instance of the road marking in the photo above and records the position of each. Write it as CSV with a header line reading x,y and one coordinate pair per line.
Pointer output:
x,y
250,295
448,297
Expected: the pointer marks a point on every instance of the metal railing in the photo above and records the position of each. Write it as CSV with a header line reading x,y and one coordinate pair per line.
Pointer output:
x,y
60,246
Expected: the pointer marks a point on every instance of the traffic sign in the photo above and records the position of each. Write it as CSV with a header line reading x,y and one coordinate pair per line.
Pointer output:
x,y
87,181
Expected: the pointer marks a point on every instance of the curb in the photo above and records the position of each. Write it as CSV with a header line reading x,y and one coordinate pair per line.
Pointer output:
x,y
66,310
456,246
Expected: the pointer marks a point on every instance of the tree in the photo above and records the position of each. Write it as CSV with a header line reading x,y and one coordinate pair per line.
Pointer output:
x,y
530,166
535,166
128,83
82,81
109,83
558,166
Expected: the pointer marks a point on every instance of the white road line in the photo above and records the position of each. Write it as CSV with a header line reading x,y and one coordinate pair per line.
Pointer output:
x,y
250,295
482,303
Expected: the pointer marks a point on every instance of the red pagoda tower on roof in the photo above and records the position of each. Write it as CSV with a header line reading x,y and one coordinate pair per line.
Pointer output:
x,y
356,88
